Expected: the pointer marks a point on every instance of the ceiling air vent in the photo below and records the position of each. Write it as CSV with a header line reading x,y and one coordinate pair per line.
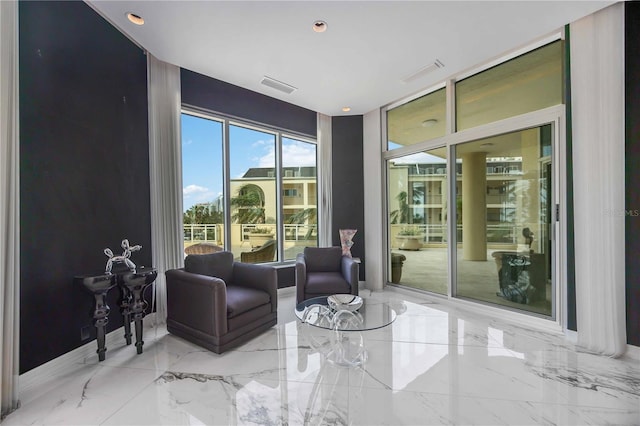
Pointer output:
x,y
423,71
278,85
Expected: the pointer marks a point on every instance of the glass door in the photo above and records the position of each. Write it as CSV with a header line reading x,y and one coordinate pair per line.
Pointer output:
x,y
417,220
503,220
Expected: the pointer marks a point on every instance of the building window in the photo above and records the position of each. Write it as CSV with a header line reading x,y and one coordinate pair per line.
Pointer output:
x,y
235,204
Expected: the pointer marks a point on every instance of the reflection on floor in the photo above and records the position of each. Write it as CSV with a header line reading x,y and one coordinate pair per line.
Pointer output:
x,y
433,365
426,269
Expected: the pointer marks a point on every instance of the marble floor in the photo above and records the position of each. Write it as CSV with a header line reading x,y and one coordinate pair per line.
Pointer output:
x,y
434,365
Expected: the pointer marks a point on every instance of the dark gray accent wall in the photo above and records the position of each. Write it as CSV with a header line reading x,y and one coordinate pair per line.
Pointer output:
x,y
286,276
348,182
571,264
84,168
632,159
214,95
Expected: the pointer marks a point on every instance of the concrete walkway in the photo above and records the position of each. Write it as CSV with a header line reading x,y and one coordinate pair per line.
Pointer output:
x,y
426,269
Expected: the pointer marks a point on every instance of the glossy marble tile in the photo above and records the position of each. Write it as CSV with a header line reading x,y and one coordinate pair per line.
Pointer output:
x,y
87,397
432,365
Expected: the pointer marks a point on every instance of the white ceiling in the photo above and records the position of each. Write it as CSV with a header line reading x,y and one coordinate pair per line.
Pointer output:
x,y
362,58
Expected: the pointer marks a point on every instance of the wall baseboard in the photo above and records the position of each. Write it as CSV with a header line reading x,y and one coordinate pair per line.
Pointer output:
x,y
31,381
633,352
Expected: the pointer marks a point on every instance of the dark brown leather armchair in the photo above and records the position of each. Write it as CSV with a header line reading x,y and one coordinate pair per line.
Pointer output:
x,y
322,271
219,304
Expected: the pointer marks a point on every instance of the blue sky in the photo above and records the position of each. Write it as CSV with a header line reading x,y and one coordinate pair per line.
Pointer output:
x,y
202,173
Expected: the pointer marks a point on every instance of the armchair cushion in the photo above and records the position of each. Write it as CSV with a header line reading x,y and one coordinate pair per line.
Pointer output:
x,y
327,283
213,265
243,299
323,259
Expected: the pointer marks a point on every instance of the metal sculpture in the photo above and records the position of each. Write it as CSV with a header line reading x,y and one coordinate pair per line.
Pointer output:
x,y
123,258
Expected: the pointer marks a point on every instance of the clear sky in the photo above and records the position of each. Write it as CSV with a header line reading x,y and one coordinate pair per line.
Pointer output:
x,y
202,173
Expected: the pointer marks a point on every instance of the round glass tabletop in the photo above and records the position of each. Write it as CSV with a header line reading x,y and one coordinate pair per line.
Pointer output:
x,y
371,315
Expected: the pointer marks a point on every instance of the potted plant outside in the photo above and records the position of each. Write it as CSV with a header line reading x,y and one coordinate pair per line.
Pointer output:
x,y
260,235
397,259
409,239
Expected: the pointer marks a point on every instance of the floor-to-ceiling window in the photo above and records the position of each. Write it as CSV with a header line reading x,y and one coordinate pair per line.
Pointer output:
x,y
417,193
247,189
471,194
253,195
203,181
299,196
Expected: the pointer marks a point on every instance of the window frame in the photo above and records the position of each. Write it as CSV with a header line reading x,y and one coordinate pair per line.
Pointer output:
x,y
279,135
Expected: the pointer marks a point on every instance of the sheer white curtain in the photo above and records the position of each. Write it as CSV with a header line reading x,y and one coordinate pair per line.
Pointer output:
x,y
165,167
324,188
9,207
597,90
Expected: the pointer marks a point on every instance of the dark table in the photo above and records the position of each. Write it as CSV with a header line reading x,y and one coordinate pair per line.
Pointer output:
x,y
132,305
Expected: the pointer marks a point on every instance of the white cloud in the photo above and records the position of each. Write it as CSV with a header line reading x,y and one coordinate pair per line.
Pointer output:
x,y
260,143
298,155
194,194
293,155
269,159
193,190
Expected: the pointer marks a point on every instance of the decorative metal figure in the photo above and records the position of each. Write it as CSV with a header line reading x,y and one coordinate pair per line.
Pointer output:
x,y
124,258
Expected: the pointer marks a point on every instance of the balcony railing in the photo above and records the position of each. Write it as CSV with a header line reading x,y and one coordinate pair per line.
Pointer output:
x,y
200,232
429,233
213,232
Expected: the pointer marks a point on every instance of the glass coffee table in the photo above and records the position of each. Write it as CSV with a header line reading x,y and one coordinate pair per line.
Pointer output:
x,y
371,315
345,345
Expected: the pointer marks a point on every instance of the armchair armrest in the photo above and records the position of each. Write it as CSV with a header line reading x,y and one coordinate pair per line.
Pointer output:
x,y
300,277
259,277
197,301
349,268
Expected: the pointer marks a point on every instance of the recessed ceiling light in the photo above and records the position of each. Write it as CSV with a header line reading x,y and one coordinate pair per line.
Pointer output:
x,y
136,19
346,109
430,122
319,26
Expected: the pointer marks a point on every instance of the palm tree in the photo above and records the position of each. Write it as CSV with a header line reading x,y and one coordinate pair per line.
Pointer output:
x,y
308,216
248,205
404,211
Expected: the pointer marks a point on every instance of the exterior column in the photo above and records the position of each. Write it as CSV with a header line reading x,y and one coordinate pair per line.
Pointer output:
x,y
529,201
474,206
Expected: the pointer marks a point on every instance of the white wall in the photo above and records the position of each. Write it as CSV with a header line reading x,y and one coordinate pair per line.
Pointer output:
x,y
373,196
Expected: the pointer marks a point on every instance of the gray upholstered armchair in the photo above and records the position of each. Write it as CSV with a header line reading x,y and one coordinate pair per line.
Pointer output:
x,y
322,271
217,303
